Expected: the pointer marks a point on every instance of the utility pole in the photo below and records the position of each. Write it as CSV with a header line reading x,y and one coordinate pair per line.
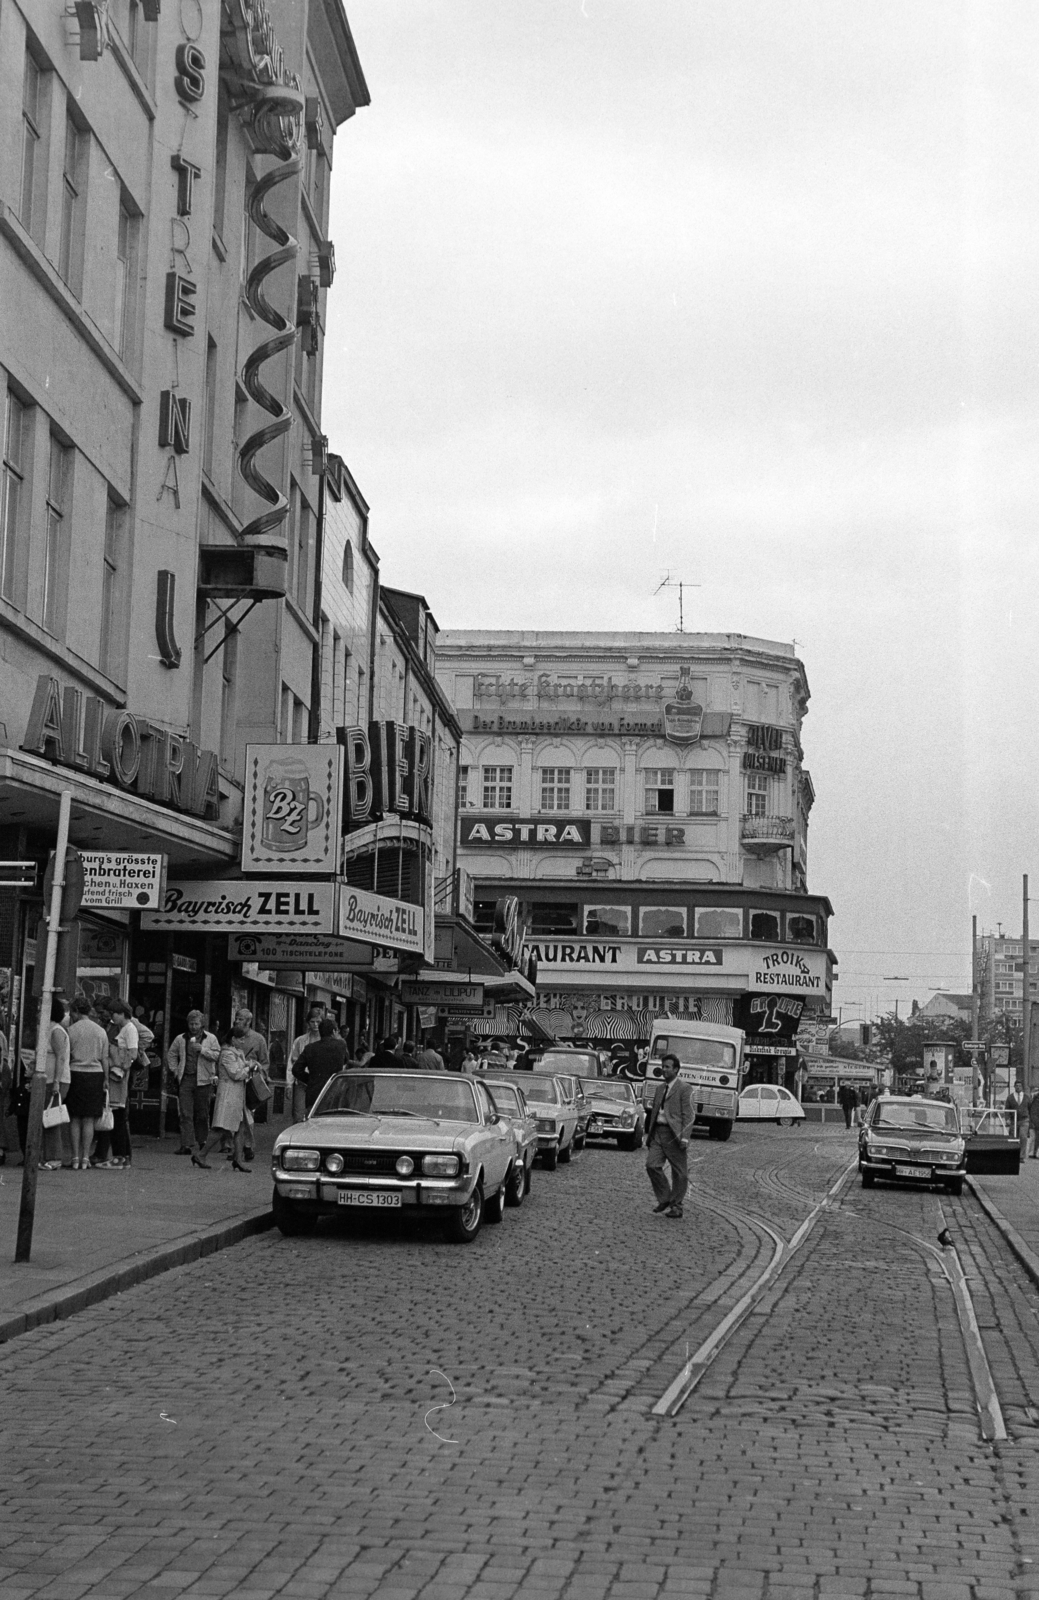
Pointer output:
x,y
1026,993
974,1009
38,1091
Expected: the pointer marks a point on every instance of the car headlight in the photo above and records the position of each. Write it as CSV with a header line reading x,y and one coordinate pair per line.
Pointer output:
x,y
546,1125
438,1166
885,1151
627,1118
334,1163
405,1166
295,1160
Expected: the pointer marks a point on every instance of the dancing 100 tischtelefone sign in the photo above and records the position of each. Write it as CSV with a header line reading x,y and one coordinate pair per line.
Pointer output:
x,y
293,808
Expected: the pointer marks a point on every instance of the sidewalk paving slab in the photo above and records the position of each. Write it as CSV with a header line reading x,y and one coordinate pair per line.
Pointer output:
x,y
99,1232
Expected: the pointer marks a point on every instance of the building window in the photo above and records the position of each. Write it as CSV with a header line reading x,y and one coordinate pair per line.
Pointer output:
x,y
56,554
764,925
12,499
110,651
717,922
612,921
348,567
703,792
223,120
228,694
757,795
801,929
662,922
548,917
31,154
555,788
304,520
600,789
125,283
497,788
209,419
70,249
464,803
660,789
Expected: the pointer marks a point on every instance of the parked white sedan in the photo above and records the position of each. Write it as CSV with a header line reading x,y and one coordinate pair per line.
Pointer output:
x,y
767,1102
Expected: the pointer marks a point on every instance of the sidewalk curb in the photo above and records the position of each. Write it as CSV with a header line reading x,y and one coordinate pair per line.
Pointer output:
x,y
58,1304
1027,1257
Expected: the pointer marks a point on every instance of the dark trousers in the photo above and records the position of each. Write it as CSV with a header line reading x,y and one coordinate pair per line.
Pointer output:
x,y
665,1148
121,1146
193,1103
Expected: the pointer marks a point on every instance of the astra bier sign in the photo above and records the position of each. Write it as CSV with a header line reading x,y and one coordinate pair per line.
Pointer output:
x,y
535,832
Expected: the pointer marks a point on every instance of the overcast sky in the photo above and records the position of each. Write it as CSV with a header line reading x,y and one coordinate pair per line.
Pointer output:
x,y
745,292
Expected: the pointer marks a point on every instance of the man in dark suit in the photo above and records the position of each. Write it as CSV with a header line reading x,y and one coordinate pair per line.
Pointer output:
x,y
668,1129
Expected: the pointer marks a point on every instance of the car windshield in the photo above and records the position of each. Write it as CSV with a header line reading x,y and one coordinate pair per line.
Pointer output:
x,y
388,1094
607,1091
696,1052
544,1090
570,1061
932,1118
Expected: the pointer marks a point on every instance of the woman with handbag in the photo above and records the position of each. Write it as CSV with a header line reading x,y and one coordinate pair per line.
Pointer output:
x,y
55,1111
232,1074
88,1052
121,1058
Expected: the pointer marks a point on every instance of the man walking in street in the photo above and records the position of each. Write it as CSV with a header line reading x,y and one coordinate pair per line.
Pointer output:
x,y
848,1101
320,1061
668,1131
315,1017
192,1059
1033,1124
429,1059
1017,1101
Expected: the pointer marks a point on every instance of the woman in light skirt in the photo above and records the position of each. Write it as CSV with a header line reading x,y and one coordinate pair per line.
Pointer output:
x,y
232,1074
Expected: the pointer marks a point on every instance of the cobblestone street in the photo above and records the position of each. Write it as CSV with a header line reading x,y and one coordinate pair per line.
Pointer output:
x,y
372,1412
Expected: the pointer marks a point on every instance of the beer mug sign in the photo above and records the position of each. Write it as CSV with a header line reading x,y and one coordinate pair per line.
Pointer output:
x,y
290,810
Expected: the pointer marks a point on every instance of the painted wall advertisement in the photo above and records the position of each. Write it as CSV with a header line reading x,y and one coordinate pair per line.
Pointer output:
x,y
238,905
293,808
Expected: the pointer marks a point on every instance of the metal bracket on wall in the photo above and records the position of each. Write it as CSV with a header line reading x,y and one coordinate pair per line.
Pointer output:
x,y
235,624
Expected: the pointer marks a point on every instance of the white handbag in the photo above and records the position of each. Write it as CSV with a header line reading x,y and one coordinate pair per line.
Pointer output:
x,y
55,1115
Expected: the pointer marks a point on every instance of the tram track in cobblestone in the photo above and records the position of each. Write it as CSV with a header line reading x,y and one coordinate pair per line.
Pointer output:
x,y
772,1180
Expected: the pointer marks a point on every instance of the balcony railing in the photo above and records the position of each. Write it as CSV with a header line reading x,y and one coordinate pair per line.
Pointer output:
x,y
767,833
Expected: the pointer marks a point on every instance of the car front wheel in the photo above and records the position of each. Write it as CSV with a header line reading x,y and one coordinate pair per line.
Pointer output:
x,y
494,1208
463,1222
549,1158
516,1187
868,1178
565,1155
290,1220
955,1185
785,1122
628,1141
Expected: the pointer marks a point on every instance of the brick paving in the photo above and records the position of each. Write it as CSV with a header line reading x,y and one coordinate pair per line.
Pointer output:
x,y
261,1423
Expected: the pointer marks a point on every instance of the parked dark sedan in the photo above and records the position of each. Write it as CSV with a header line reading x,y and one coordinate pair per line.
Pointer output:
x,y
908,1139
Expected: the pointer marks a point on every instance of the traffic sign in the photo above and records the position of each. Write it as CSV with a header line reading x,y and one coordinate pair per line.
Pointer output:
x,y
973,1047
72,893
18,874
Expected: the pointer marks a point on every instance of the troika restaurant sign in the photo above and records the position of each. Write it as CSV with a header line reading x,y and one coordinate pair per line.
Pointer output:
x,y
79,731
239,905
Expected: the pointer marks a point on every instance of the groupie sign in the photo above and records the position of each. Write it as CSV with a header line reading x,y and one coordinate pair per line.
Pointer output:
x,y
83,733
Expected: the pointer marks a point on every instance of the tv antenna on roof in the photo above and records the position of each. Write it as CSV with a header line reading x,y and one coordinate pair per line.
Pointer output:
x,y
668,582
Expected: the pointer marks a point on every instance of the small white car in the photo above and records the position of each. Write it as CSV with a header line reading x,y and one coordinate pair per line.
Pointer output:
x,y
767,1102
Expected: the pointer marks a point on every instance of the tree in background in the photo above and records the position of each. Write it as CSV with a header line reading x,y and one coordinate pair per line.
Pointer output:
x,y
902,1040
